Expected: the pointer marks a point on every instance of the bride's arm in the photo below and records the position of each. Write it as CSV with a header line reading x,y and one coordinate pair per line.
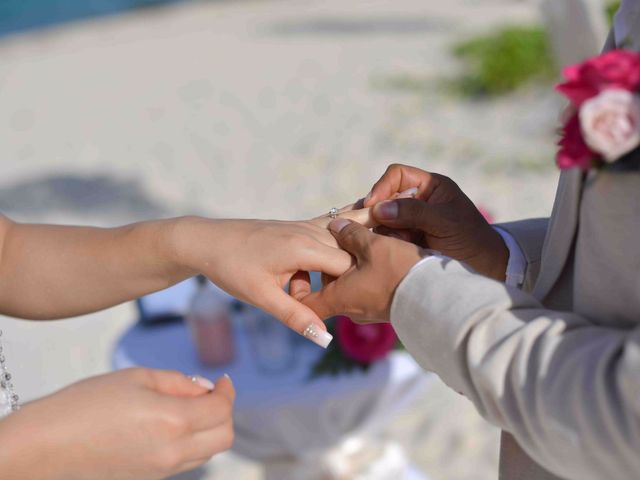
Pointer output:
x,y
49,271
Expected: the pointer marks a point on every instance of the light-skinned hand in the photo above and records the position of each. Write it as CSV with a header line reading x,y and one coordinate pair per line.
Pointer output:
x,y
136,424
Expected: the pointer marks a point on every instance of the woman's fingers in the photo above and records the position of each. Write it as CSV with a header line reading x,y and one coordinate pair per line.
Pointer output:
x,y
329,260
201,446
212,409
300,285
362,216
171,382
296,316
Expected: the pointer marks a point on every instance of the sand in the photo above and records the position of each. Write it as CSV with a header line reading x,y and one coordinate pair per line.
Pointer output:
x,y
261,109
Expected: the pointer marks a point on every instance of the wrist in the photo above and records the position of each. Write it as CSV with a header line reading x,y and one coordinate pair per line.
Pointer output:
x,y
179,244
23,453
493,260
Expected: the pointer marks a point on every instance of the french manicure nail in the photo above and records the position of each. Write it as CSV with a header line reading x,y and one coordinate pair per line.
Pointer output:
x,y
203,382
226,375
317,336
338,224
409,193
387,210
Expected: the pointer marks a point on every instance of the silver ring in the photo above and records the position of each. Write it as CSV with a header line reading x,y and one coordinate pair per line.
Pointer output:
x,y
333,213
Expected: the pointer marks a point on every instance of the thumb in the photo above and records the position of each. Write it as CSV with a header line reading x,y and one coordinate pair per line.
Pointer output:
x,y
224,386
352,237
405,213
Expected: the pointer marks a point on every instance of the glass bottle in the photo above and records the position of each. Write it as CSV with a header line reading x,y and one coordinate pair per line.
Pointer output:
x,y
209,319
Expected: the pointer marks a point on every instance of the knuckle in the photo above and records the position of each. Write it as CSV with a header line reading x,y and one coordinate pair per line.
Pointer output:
x,y
174,424
350,230
168,460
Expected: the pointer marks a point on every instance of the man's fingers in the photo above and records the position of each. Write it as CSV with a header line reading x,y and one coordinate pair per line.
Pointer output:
x,y
325,303
296,316
397,179
352,237
401,234
405,214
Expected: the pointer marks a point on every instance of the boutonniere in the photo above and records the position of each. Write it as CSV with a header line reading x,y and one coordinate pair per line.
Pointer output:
x,y
603,124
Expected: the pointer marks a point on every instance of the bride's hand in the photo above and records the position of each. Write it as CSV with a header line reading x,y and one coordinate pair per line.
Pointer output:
x,y
136,424
254,260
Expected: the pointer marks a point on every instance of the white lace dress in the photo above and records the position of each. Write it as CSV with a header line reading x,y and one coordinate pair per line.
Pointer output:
x,y
8,398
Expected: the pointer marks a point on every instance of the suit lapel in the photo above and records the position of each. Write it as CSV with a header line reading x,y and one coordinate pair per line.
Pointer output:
x,y
564,221
561,232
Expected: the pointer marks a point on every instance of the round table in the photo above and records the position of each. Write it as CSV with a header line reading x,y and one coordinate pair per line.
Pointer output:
x,y
299,428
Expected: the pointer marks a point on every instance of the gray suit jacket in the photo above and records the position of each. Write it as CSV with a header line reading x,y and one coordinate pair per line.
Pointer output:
x,y
564,385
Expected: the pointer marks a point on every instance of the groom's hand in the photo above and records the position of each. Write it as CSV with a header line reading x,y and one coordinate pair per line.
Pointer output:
x,y
440,217
365,291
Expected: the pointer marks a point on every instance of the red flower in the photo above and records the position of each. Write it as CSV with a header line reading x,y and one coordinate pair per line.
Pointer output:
x,y
574,152
614,69
364,343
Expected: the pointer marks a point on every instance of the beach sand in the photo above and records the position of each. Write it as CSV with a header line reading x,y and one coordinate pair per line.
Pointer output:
x,y
261,109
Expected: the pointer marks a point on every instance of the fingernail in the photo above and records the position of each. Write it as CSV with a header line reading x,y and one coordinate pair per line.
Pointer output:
x,y
387,210
368,197
203,382
226,375
317,336
338,224
409,193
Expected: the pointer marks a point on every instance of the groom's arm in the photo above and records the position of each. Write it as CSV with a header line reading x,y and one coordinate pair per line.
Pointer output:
x,y
568,391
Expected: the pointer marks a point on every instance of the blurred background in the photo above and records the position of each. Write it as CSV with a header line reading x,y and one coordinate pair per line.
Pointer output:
x,y
113,111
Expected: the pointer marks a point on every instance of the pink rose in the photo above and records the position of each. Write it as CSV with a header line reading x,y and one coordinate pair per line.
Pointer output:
x,y
364,343
610,123
574,152
617,69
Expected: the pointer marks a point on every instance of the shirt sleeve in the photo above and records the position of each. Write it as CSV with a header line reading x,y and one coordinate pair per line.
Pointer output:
x,y
517,264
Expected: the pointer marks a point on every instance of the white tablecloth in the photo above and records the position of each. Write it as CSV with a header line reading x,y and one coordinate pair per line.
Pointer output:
x,y
299,428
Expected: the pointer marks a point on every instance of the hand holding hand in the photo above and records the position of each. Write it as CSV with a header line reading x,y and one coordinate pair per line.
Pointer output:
x,y
365,291
135,424
440,217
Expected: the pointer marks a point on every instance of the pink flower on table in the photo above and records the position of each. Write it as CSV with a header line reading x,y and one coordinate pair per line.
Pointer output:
x,y
364,343
610,123
619,69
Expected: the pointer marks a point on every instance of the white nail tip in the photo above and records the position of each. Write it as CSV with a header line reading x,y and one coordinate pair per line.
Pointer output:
x,y
203,382
317,336
411,192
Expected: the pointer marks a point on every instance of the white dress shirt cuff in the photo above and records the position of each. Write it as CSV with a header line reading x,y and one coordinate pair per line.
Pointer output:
x,y
517,263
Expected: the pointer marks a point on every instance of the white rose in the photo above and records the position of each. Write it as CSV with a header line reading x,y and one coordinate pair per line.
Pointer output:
x,y
610,123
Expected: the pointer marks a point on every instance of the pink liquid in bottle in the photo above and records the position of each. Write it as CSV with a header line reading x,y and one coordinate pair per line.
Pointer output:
x,y
209,320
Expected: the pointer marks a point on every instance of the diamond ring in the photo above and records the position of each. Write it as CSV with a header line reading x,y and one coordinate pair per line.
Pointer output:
x,y
333,213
